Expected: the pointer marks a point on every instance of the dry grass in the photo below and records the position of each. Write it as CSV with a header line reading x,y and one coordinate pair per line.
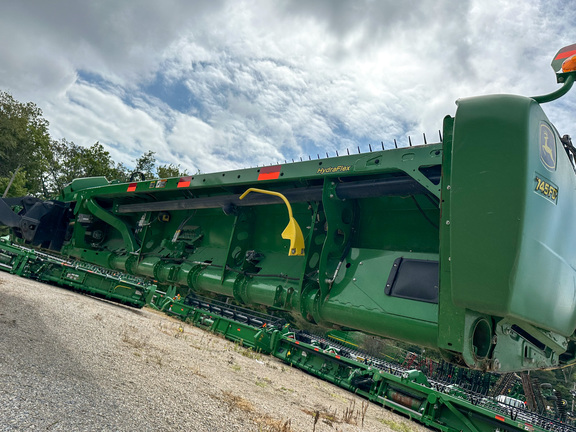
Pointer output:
x,y
130,338
155,358
237,402
264,382
265,422
397,426
350,415
247,352
268,424
197,372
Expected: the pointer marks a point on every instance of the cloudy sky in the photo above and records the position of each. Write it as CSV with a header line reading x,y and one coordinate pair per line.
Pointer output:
x,y
222,84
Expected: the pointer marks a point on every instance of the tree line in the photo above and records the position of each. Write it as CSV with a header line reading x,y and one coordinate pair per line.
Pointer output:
x,y
32,163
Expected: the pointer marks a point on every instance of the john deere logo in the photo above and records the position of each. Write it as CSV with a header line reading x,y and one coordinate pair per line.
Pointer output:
x,y
547,147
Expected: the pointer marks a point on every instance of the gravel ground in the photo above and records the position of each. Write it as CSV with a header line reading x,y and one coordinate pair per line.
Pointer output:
x,y
69,362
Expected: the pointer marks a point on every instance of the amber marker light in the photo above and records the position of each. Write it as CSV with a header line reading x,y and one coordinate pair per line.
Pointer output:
x,y
569,64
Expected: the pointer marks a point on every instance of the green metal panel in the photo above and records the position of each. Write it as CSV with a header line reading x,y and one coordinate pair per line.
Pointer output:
x,y
353,241
47,268
508,250
464,245
361,216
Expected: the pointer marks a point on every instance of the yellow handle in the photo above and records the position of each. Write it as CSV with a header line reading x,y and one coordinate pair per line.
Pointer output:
x,y
292,232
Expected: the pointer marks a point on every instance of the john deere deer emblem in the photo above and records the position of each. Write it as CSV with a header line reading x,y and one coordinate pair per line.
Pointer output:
x,y
547,147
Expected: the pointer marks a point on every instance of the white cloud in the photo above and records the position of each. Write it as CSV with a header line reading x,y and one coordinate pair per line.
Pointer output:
x,y
90,114
213,85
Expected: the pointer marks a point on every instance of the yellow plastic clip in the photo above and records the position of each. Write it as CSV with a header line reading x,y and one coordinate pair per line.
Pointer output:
x,y
292,232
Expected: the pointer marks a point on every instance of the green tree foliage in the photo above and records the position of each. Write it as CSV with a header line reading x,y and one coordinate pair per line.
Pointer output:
x,y
23,140
43,166
69,161
171,170
146,164
18,186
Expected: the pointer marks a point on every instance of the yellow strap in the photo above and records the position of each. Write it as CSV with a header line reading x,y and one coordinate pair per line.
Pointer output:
x,y
292,232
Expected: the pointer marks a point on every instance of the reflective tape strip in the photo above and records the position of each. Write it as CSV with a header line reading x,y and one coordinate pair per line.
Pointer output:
x,y
184,181
269,173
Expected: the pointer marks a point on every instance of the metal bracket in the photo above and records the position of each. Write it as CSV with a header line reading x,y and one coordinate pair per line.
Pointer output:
x,y
115,222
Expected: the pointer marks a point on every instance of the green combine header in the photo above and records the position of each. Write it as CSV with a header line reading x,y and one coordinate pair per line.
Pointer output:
x,y
465,245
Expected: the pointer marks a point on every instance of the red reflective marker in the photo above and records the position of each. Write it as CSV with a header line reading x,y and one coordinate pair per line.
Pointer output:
x,y
269,173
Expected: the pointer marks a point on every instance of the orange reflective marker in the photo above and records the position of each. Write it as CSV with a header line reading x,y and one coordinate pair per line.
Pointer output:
x,y
569,65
